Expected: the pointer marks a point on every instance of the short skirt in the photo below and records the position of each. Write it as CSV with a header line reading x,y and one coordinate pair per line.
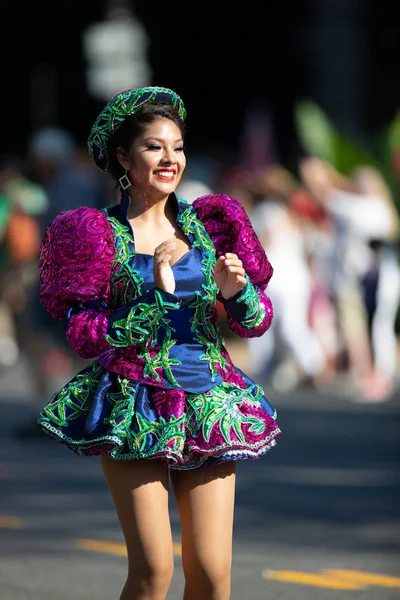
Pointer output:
x,y
100,412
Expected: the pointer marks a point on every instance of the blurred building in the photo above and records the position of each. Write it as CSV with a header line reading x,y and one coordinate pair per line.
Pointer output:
x,y
342,53
116,52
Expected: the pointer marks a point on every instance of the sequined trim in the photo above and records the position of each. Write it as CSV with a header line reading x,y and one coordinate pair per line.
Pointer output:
x,y
141,323
127,286
255,310
203,324
186,430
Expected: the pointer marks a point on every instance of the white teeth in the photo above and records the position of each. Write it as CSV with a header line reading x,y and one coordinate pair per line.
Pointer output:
x,y
165,174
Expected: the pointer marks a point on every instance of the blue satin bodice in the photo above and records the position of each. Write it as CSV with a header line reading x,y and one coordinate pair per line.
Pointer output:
x,y
192,373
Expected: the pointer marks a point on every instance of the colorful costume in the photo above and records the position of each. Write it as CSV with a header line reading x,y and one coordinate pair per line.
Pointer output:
x,y
162,385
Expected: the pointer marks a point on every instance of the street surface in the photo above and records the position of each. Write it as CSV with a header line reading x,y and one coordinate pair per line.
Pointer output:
x,y
318,518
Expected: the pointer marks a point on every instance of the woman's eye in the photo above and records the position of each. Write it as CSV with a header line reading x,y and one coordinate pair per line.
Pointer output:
x,y
157,147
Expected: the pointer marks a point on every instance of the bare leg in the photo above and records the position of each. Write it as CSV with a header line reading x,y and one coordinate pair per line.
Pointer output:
x,y
205,499
139,490
353,322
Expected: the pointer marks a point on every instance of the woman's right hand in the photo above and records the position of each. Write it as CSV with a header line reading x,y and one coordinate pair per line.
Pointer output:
x,y
162,270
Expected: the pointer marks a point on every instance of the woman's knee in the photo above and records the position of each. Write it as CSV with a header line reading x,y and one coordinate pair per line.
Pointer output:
x,y
210,575
158,566
151,575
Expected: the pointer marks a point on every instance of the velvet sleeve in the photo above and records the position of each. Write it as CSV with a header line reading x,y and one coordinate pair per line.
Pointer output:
x,y
75,268
249,313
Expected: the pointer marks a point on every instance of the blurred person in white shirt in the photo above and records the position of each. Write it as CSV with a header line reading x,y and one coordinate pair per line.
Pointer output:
x,y
365,273
376,222
290,291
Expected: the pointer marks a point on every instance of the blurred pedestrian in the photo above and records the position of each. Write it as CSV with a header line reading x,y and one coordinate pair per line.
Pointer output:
x,y
136,285
364,270
54,163
378,223
22,202
290,289
190,189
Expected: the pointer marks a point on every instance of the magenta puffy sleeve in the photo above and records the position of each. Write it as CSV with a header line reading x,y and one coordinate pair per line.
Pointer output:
x,y
75,266
249,314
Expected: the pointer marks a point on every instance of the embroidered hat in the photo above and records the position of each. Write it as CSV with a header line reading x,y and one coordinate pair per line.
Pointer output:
x,y
123,105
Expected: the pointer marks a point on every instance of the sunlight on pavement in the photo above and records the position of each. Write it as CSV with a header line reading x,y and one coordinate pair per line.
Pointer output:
x,y
114,547
7,522
339,579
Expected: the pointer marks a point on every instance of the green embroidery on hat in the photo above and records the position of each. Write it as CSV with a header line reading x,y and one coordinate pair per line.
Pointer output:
x,y
120,107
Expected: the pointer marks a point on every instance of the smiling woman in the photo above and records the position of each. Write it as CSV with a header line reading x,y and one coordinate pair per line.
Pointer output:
x,y
154,163
137,285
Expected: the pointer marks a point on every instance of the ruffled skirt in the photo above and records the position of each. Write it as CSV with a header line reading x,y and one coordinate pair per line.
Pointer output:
x,y
99,412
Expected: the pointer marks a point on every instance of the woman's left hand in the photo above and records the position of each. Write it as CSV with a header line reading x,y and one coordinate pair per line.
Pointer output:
x,y
229,275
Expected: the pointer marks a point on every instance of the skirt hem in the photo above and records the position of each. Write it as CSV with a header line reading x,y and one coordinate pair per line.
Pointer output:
x,y
193,457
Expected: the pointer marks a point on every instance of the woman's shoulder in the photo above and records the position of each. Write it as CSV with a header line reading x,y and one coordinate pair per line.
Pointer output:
x,y
227,222
218,202
84,222
76,258
75,215
78,235
228,212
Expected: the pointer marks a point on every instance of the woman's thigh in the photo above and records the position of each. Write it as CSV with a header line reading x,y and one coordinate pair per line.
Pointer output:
x,y
139,489
205,499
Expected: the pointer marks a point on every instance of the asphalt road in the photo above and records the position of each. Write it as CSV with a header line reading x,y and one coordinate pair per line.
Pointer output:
x,y
317,518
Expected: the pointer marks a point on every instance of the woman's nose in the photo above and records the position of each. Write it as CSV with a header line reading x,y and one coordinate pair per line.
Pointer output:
x,y
169,157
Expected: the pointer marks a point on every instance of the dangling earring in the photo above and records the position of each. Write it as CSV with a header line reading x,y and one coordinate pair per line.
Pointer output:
x,y
124,181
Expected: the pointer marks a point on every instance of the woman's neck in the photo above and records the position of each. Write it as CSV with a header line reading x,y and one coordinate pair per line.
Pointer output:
x,y
147,209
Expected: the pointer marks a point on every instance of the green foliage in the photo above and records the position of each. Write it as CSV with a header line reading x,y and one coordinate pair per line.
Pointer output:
x,y
394,133
314,130
321,138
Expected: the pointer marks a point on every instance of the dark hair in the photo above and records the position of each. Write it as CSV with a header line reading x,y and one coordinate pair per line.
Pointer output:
x,y
133,126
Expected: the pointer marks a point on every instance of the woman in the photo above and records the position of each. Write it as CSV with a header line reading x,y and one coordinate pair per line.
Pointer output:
x,y
137,283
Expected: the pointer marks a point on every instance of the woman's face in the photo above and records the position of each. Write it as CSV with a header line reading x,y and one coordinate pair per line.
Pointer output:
x,y
157,159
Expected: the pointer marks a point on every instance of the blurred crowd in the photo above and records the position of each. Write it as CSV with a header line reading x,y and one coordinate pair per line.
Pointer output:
x,y
55,175
333,241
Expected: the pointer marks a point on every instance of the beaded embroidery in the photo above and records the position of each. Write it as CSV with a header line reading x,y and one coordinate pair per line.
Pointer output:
x,y
255,311
134,416
123,105
227,422
127,285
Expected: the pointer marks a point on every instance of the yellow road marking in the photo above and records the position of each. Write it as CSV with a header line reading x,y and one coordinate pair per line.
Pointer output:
x,y
114,547
367,578
106,547
11,522
177,549
312,579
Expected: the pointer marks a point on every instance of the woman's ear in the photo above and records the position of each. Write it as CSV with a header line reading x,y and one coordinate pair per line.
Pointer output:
x,y
123,158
